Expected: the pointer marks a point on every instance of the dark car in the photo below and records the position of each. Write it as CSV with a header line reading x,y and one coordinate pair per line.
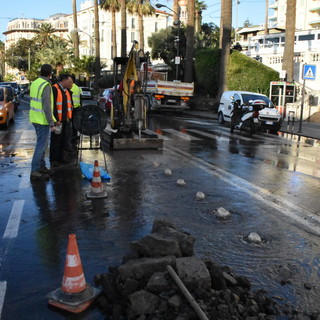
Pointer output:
x,y
105,99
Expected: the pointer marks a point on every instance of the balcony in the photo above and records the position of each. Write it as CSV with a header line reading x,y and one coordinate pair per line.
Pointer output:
x,y
315,9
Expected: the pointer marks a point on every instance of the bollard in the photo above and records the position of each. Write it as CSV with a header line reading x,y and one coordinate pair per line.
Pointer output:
x,y
291,120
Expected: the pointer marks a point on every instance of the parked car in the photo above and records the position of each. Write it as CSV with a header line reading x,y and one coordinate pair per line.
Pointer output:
x,y
6,106
86,93
14,85
105,99
269,117
11,92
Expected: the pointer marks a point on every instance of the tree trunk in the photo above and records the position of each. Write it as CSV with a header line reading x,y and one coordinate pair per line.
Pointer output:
x,y
97,67
123,28
141,32
288,54
266,30
188,77
198,21
225,28
114,34
75,27
175,8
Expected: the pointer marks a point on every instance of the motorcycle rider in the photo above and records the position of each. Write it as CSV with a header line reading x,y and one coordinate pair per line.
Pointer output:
x,y
236,114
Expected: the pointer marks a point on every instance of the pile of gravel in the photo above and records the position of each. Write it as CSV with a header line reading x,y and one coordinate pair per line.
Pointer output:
x,y
142,288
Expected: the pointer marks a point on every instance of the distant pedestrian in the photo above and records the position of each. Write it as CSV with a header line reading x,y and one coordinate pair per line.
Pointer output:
x,y
77,102
63,107
41,116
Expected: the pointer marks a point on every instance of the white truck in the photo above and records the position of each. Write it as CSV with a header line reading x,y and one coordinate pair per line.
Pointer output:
x,y
163,94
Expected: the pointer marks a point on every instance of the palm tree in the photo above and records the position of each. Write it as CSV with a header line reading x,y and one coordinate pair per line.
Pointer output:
x,y
188,77
97,41
200,6
75,26
175,9
45,34
266,31
123,11
226,13
2,59
140,8
113,6
288,53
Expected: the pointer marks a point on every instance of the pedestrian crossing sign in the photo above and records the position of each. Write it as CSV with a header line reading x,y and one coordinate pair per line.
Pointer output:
x,y
309,72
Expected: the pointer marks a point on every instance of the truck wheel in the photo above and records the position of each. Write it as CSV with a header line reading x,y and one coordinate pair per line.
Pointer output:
x,y
220,118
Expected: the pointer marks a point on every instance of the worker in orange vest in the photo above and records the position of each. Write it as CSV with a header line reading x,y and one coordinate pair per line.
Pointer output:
x,y
63,106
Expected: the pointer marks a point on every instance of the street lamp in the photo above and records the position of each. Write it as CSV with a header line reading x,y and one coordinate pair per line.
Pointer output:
x,y
176,23
90,38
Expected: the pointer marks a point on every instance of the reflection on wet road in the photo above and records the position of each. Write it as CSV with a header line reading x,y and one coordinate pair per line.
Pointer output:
x,y
269,184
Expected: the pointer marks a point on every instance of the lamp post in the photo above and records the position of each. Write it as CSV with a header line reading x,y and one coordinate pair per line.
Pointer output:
x,y
90,38
176,23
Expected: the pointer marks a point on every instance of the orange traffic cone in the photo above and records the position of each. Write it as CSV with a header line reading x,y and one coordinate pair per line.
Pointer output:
x,y
75,295
97,190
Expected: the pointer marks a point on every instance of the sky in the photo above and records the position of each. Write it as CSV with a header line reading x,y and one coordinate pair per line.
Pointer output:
x,y
254,10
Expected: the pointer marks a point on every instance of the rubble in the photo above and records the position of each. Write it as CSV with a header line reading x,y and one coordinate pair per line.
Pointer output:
x,y
142,288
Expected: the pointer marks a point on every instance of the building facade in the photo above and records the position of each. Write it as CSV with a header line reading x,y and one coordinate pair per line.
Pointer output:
x,y
64,26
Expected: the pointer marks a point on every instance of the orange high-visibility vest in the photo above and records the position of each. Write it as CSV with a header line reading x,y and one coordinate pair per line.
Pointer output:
x,y
60,101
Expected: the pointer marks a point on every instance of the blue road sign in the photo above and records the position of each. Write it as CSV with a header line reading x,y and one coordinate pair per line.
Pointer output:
x,y
309,72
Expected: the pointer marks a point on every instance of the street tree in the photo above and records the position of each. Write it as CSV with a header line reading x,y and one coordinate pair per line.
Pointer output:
x,y
225,29
18,54
75,31
208,37
2,60
123,13
113,6
288,53
45,34
97,71
141,8
199,7
85,66
188,76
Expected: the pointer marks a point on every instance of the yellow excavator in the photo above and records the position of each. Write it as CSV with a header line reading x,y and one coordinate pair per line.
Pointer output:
x,y
128,115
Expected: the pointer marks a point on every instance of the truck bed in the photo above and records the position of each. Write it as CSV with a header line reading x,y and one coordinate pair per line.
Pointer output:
x,y
170,88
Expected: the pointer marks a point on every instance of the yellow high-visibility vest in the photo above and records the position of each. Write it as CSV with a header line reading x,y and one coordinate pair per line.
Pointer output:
x,y
36,114
76,93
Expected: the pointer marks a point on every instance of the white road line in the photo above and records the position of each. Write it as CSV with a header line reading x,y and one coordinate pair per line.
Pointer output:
x,y
180,135
300,215
12,228
25,181
3,289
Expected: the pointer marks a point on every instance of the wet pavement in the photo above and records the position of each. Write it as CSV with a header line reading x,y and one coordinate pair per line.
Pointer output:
x,y
270,184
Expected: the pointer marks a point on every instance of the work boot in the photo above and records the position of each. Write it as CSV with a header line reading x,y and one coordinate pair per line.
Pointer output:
x,y
45,170
37,175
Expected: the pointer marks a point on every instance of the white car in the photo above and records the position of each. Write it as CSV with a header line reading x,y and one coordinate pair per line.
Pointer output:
x,y
269,117
85,93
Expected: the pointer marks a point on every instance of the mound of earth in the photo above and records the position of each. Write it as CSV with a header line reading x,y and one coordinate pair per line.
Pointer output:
x,y
143,286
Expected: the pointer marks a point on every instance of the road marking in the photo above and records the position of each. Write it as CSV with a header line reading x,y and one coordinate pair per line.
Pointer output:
x,y
12,228
25,181
3,289
300,215
179,134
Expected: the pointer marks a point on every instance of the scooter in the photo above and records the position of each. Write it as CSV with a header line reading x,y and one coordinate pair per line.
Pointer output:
x,y
246,117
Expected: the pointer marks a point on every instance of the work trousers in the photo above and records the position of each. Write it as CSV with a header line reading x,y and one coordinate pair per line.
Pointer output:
x,y
42,133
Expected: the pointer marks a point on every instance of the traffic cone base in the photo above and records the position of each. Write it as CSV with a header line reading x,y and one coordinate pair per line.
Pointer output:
x,y
75,295
97,190
74,302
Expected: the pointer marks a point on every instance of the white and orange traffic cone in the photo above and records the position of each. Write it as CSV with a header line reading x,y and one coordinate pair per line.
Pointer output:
x,y
75,295
97,190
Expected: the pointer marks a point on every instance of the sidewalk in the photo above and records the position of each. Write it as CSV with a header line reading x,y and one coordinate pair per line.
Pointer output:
x,y
308,129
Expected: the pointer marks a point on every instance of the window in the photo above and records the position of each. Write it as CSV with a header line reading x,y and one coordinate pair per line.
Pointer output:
x,y
133,36
133,24
306,37
156,26
111,47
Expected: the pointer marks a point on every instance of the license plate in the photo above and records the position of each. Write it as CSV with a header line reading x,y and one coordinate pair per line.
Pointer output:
x,y
269,122
171,101
255,120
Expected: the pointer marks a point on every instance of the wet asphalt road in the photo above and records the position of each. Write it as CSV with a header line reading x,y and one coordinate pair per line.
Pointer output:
x,y
270,184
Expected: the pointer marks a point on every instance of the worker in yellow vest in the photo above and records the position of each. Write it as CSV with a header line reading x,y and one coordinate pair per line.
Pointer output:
x,y
76,93
43,120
